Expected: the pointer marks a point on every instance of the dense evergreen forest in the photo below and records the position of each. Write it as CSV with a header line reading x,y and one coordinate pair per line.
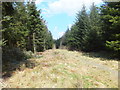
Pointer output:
x,y
72,61
96,30
23,29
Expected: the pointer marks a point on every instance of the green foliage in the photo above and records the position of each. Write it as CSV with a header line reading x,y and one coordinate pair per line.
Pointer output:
x,y
73,39
28,54
85,34
114,45
96,30
2,42
111,20
49,41
93,35
57,42
19,27
12,55
23,29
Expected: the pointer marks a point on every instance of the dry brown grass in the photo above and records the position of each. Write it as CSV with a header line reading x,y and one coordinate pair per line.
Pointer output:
x,y
64,69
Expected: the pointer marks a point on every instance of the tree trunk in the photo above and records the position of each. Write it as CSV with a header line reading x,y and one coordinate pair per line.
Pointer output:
x,y
34,45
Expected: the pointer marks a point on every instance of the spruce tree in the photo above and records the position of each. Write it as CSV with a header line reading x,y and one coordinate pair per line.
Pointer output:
x,y
83,28
93,35
111,22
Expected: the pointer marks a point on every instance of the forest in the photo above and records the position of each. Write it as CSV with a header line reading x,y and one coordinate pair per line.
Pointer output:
x,y
25,35
96,30
23,29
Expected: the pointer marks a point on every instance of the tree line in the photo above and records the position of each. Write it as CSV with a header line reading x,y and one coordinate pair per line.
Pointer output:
x,y
23,29
95,30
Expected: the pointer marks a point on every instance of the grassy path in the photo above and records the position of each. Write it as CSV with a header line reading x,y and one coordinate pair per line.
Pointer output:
x,y
66,69
87,61
113,73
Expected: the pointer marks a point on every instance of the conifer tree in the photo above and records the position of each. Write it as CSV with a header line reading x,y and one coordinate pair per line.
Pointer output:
x,y
93,35
111,22
83,28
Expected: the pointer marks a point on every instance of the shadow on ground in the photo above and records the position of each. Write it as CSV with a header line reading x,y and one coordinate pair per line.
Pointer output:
x,y
102,55
9,68
14,59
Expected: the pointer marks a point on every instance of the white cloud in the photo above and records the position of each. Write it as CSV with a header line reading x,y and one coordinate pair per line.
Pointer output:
x,y
57,33
38,1
69,26
60,34
55,29
69,6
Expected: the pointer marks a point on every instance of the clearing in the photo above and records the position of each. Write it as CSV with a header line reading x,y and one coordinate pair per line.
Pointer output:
x,y
66,69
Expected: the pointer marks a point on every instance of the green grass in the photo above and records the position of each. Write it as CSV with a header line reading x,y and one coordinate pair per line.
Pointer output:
x,y
63,69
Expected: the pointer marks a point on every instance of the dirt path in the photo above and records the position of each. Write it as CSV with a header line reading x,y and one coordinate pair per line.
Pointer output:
x,y
113,73
66,69
88,61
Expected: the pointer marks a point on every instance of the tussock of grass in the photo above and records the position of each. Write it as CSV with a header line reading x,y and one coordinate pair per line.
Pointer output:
x,y
62,69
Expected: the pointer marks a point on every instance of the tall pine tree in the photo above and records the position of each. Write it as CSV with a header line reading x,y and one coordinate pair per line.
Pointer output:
x,y
110,12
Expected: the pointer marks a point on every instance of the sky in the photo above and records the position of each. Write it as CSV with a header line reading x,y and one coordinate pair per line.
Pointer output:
x,y
61,14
